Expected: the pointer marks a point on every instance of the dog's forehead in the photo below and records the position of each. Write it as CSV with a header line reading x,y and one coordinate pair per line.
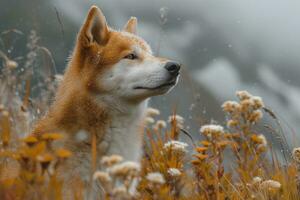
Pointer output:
x,y
137,43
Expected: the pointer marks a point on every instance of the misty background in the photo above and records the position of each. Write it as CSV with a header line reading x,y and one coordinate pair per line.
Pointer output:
x,y
224,46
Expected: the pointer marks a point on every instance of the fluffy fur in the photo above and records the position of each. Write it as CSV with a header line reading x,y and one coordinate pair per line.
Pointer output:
x,y
104,92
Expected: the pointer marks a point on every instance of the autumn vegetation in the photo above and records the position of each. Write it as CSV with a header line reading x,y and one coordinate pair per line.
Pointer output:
x,y
232,160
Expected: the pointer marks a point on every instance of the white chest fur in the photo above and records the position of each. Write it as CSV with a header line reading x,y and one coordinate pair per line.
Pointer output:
x,y
124,135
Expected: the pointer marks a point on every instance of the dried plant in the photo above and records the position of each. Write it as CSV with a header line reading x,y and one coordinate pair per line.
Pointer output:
x,y
232,162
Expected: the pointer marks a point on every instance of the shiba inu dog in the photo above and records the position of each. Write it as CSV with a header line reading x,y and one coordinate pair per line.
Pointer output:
x,y
104,92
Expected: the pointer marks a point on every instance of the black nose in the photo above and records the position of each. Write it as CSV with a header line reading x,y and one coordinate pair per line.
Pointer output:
x,y
173,68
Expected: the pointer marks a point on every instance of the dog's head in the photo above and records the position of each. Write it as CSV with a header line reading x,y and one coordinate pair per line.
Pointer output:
x,y
119,63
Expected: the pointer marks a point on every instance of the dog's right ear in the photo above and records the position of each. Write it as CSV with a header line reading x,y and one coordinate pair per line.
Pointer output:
x,y
131,25
94,29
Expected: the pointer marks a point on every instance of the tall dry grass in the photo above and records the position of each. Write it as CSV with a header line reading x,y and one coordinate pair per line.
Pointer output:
x,y
232,162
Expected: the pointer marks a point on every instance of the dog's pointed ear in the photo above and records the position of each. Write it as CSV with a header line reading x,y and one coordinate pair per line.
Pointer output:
x,y
131,25
94,29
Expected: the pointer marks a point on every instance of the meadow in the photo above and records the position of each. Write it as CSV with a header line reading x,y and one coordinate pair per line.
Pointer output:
x,y
169,169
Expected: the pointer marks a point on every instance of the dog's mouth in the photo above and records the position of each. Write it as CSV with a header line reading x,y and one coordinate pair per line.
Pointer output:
x,y
168,84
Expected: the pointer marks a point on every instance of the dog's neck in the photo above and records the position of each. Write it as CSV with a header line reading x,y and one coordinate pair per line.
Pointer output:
x,y
118,124
124,134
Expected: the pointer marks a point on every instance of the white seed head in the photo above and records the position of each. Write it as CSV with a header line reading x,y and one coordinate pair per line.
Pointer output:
x,y
243,94
176,146
256,116
211,129
103,177
155,177
11,64
232,123
270,184
111,160
160,124
231,106
258,102
177,118
119,191
246,104
174,172
149,120
296,154
152,112
263,140
256,180
125,168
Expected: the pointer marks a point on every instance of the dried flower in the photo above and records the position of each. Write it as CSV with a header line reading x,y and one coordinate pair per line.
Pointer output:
x,y
243,94
201,156
246,104
125,169
152,112
211,130
174,172
30,140
205,143
149,120
222,144
231,106
111,160
177,118
270,184
11,64
256,116
176,146
201,149
296,154
259,139
196,162
263,140
232,123
160,124
256,180
258,102
63,153
103,177
45,159
120,191
155,177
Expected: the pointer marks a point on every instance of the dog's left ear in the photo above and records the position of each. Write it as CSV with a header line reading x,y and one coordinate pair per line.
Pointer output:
x,y
131,25
94,29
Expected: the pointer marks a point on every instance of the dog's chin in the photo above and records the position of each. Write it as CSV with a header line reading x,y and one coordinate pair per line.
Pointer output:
x,y
157,90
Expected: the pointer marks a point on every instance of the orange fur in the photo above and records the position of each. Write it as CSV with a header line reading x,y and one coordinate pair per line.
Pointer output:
x,y
74,107
79,104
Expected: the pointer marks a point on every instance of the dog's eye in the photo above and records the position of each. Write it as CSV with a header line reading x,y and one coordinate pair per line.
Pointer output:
x,y
131,56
